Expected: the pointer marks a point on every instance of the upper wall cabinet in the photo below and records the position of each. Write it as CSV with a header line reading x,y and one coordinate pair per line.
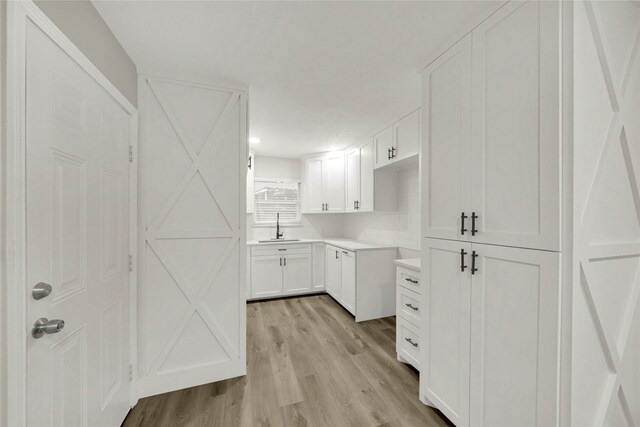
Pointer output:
x,y
359,178
323,185
492,134
398,141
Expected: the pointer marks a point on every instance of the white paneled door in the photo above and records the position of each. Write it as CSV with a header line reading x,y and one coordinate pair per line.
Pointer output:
x,y
192,289
77,187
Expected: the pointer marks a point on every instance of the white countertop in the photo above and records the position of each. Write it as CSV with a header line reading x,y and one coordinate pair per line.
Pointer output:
x,y
412,263
348,244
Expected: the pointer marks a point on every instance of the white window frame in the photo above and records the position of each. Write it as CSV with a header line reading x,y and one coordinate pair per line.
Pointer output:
x,y
273,224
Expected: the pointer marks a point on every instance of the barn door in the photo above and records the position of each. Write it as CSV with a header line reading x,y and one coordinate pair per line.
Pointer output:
x,y
193,163
606,294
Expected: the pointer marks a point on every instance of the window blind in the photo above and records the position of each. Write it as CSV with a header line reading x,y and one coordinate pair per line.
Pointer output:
x,y
273,197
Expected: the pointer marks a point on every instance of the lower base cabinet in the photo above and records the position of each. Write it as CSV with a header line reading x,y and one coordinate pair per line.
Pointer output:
x,y
281,270
363,282
491,327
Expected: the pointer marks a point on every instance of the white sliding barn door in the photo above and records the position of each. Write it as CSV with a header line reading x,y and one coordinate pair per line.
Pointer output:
x,y
606,274
192,289
77,200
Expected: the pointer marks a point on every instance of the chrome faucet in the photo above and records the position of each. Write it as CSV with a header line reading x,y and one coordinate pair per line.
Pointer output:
x,y
279,233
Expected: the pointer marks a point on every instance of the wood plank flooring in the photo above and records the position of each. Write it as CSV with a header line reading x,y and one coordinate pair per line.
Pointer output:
x,y
308,364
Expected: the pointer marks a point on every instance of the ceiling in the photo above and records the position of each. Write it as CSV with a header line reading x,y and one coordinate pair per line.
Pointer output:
x,y
323,75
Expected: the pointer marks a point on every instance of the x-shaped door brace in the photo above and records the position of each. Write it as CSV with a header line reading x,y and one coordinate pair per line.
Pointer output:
x,y
153,233
616,384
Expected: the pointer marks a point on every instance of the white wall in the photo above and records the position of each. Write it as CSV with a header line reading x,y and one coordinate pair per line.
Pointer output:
x,y
276,167
401,228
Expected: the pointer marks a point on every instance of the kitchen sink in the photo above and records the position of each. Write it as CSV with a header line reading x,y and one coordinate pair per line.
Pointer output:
x,y
278,240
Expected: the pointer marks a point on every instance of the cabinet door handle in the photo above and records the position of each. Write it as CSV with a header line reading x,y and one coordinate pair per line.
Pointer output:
x,y
393,152
250,157
408,279
280,261
410,341
411,307
388,153
357,204
336,254
462,255
354,205
474,255
462,218
285,261
473,223
326,206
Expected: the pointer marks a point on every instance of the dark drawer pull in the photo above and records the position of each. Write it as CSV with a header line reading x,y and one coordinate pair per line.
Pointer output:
x,y
408,279
415,344
411,307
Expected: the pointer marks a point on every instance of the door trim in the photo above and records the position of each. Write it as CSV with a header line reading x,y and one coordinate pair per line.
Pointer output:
x,y
18,14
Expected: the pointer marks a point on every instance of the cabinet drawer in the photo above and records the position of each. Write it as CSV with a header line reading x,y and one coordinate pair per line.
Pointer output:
x,y
410,279
272,249
408,342
408,305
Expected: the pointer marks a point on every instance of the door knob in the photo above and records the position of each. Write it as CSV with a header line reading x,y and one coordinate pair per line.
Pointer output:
x,y
41,290
46,326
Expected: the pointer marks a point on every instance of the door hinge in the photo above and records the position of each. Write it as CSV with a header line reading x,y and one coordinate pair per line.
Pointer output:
x,y
131,154
130,372
131,266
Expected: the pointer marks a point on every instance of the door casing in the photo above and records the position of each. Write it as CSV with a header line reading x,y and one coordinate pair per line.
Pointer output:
x,y
17,325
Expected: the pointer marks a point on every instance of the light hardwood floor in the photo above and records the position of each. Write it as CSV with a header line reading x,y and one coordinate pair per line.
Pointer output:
x,y
309,364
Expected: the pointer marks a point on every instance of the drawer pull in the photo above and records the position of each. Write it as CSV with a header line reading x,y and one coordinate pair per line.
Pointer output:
x,y
408,279
411,307
410,341
282,249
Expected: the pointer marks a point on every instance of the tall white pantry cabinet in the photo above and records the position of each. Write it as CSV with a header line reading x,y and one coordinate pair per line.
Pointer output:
x,y
531,218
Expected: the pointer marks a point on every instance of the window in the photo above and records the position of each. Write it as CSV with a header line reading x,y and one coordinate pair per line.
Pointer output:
x,y
273,197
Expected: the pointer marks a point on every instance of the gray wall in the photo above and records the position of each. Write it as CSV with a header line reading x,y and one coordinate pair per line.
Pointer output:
x,y
82,23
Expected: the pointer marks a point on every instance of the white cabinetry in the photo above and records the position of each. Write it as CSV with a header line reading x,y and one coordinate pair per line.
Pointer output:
x,y
318,266
362,281
492,333
491,167
334,272
251,174
324,183
408,315
348,297
492,128
398,141
368,189
278,270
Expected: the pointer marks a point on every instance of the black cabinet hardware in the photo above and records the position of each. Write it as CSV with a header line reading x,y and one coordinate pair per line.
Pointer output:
x,y
281,249
473,223
336,254
474,255
354,205
250,157
285,261
411,307
393,152
462,255
280,261
462,218
410,341
410,280
388,153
